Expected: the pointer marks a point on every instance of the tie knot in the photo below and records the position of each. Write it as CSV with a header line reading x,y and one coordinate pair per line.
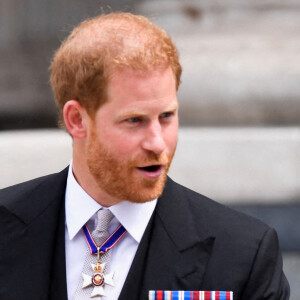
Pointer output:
x,y
104,217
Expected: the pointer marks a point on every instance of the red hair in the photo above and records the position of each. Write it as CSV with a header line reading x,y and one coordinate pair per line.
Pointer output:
x,y
81,67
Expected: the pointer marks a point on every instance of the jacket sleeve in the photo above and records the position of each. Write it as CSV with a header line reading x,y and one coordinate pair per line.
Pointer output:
x,y
266,279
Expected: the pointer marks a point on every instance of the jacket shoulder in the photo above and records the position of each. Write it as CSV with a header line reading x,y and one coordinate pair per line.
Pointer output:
x,y
220,218
246,258
15,195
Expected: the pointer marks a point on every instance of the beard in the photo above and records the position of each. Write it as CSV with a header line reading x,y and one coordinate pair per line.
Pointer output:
x,y
122,179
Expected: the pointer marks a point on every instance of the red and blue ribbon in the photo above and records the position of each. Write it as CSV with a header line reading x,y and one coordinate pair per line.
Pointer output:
x,y
109,243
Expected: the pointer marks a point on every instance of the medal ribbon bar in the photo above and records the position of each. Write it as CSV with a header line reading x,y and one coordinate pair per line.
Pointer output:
x,y
190,295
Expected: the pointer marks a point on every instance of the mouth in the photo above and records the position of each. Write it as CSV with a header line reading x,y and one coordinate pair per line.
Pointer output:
x,y
151,171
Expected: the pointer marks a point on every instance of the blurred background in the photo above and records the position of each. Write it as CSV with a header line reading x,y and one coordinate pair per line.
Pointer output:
x,y
239,141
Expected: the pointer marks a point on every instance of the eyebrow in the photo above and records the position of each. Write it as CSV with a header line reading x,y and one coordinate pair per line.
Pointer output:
x,y
128,114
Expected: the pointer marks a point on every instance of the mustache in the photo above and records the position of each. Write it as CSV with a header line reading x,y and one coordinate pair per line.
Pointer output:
x,y
152,159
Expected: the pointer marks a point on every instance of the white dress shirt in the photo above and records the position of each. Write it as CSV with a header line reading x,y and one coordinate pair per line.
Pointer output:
x,y
81,209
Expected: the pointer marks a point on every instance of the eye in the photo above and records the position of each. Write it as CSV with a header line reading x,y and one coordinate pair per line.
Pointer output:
x,y
133,120
166,115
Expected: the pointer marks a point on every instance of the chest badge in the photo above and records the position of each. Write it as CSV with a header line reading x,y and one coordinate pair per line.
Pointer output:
x,y
98,280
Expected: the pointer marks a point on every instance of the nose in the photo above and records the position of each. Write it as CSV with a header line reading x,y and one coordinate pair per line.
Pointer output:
x,y
153,139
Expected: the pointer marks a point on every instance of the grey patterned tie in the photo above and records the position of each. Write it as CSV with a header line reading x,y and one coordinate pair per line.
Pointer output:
x,y
100,234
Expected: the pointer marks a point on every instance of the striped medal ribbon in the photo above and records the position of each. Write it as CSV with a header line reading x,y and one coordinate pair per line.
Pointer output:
x,y
109,243
190,295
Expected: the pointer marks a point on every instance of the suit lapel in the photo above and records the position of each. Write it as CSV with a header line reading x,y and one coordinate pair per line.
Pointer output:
x,y
31,226
58,287
173,253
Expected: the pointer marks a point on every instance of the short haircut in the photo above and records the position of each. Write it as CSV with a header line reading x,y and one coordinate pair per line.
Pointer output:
x,y
82,66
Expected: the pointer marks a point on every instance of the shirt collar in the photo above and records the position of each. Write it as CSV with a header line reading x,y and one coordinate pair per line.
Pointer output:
x,y
81,207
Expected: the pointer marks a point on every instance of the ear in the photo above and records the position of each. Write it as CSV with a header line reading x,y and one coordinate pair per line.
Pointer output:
x,y
75,119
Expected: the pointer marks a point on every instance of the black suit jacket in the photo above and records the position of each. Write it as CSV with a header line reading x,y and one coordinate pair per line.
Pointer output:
x,y
191,243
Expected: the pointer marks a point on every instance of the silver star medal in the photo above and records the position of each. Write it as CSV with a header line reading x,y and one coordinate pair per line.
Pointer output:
x,y
98,280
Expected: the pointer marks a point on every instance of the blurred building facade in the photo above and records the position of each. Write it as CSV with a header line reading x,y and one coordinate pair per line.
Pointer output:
x,y
240,58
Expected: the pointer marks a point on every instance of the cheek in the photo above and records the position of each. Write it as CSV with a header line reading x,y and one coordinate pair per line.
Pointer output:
x,y
172,144
122,145
171,137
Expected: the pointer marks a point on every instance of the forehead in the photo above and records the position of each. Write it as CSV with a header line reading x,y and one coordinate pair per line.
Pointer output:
x,y
159,80
146,92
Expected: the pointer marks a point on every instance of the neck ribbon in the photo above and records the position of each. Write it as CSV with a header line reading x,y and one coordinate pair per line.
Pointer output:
x,y
109,243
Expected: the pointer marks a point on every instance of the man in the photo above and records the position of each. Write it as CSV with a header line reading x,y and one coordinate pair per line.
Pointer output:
x,y
115,80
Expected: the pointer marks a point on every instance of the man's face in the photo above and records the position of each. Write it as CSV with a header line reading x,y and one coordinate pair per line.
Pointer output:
x,y
133,137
